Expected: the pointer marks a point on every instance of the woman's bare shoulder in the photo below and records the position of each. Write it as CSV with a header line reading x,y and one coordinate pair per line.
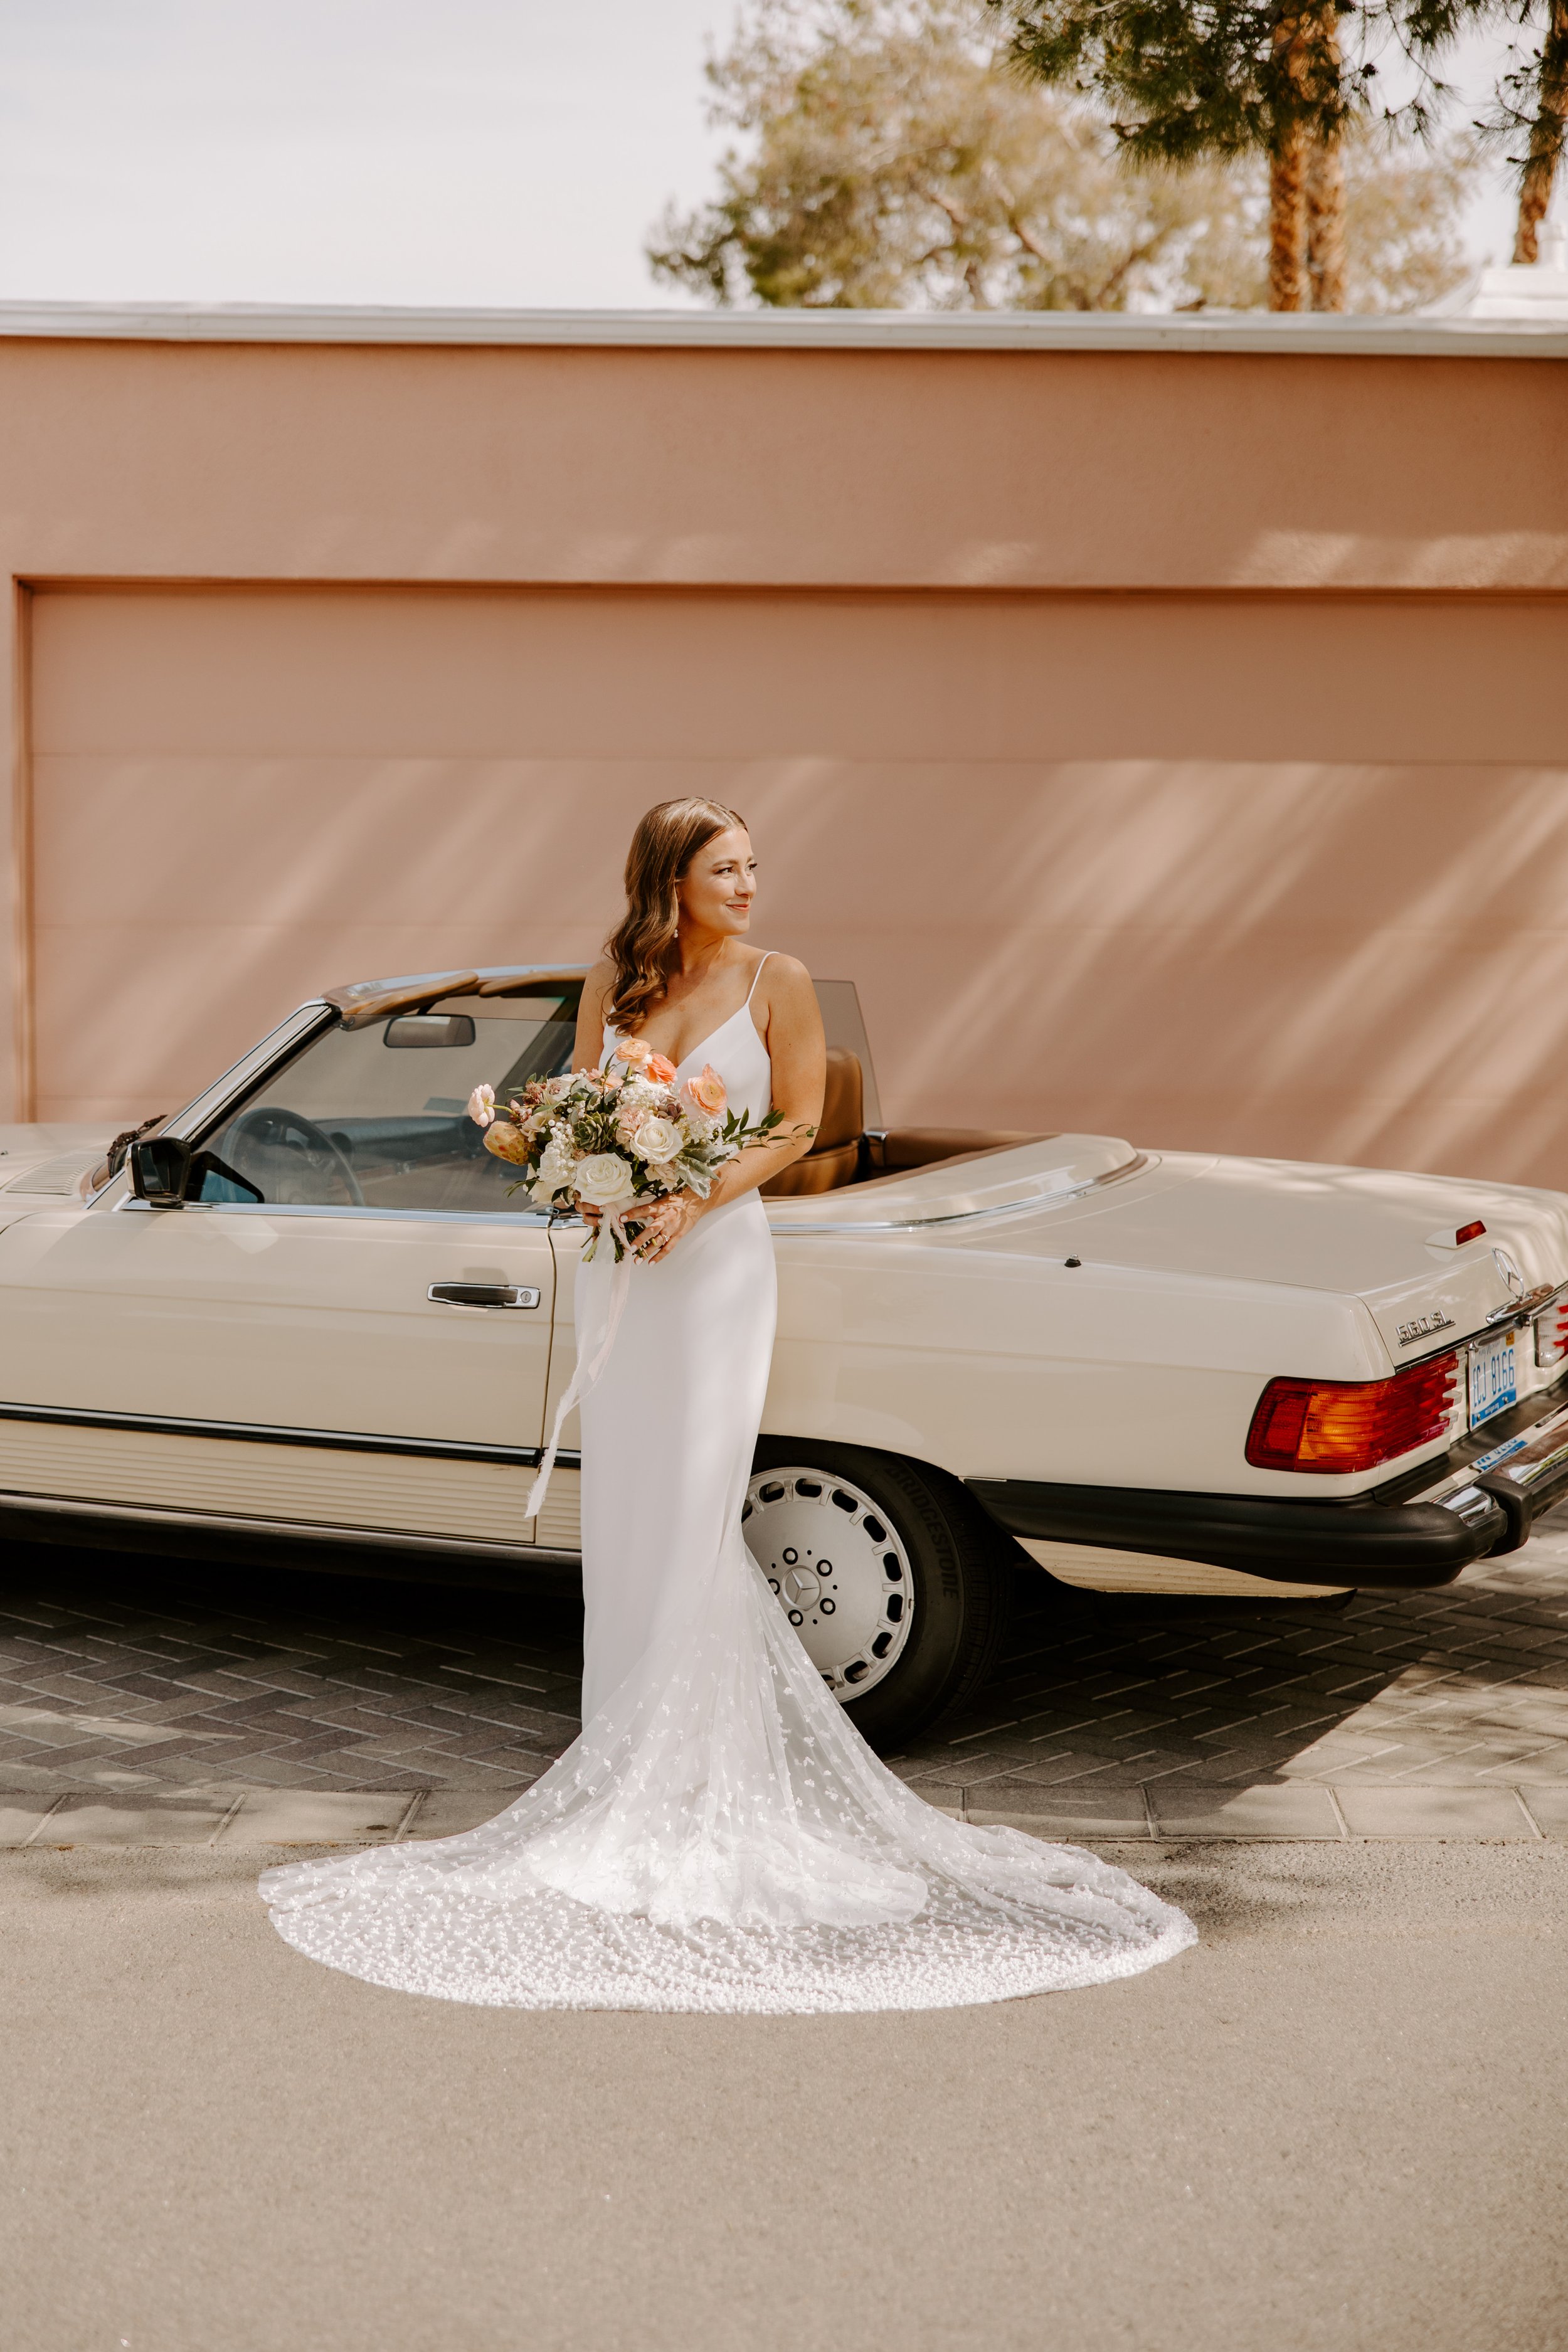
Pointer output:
x,y
785,969
786,987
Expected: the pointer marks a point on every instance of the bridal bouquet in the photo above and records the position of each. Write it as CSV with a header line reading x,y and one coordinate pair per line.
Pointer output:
x,y
609,1139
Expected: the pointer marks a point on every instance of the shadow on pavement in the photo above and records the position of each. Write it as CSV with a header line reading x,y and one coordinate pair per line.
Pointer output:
x,y
134,1673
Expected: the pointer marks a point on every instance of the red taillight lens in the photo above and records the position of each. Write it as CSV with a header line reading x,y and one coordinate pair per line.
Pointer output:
x,y
1345,1426
1552,1335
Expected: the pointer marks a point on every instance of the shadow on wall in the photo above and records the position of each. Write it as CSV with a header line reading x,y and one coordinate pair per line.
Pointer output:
x,y
1363,964
1118,865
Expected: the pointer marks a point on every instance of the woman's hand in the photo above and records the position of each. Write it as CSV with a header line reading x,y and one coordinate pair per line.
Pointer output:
x,y
661,1225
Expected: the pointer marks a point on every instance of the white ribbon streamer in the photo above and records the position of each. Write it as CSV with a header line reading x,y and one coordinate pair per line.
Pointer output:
x,y
589,1365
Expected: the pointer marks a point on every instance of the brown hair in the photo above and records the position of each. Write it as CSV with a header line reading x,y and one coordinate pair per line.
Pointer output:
x,y
642,945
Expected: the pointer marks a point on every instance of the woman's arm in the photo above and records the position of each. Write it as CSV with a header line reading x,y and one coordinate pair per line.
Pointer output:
x,y
588,1045
792,1027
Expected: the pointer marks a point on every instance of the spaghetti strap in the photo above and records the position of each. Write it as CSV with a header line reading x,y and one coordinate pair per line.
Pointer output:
x,y
756,976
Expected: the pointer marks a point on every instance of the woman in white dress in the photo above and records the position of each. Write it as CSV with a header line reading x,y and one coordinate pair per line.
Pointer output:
x,y
720,1837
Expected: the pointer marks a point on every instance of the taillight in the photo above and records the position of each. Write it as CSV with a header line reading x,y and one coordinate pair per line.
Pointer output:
x,y
1346,1425
1551,1334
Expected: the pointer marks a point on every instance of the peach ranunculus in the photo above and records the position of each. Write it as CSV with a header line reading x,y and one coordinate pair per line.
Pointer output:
x,y
707,1090
659,1069
482,1106
633,1053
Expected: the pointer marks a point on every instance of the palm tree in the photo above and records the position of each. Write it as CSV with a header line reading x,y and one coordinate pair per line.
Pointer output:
x,y
1529,119
1233,78
890,156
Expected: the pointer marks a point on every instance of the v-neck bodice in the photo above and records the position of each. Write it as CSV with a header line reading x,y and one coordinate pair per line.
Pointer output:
x,y
735,1051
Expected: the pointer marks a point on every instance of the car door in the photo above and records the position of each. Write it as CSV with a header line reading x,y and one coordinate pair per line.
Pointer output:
x,y
364,1345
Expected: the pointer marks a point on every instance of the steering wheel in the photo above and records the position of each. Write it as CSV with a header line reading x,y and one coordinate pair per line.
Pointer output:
x,y
270,1128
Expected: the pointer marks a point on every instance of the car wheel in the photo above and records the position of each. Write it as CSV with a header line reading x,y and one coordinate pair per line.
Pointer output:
x,y
887,1572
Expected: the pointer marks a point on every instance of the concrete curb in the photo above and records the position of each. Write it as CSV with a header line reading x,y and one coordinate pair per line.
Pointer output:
x,y
1345,1812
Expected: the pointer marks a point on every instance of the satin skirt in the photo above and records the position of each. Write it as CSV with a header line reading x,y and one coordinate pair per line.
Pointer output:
x,y
668,1432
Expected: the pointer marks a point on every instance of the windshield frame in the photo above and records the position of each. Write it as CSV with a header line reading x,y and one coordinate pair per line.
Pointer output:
x,y
209,1112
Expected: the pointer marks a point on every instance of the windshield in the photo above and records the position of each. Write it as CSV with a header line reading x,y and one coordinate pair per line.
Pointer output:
x,y
377,1118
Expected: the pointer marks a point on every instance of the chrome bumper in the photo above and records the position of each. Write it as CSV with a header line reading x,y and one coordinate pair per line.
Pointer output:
x,y
1522,1477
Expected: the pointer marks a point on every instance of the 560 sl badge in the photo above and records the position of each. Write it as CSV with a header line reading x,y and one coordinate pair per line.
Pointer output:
x,y
1423,1328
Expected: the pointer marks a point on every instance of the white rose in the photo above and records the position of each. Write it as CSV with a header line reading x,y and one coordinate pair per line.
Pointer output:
x,y
603,1179
482,1106
657,1138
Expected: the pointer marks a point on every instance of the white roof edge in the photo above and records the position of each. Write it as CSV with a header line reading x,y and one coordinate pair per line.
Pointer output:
x,y
1013,331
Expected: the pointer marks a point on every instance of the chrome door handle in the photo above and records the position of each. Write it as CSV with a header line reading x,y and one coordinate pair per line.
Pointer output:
x,y
482,1293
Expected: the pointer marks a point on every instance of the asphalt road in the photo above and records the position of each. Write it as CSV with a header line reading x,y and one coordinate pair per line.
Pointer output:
x,y
1340,2122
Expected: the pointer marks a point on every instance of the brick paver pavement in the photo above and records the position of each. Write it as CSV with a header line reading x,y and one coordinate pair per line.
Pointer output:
x,y
1459,1687
135,1677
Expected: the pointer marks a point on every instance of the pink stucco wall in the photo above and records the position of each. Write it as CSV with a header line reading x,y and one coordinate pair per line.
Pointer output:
x,y
1166,743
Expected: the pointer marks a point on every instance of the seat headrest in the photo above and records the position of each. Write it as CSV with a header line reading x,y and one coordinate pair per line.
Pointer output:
x,y
843,1116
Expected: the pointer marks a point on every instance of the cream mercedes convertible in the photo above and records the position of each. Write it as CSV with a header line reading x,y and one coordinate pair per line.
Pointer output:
x,y
306,1320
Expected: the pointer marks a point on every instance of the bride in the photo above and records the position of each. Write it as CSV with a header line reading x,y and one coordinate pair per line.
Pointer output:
x,y
720,1837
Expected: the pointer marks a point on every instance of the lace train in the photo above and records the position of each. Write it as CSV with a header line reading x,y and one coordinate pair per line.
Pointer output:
x,y
721,1839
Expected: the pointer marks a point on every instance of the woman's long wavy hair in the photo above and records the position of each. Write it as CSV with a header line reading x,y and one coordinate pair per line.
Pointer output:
x,y
642,945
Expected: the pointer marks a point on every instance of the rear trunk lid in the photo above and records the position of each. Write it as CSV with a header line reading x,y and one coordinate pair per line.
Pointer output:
x,y
1386,1237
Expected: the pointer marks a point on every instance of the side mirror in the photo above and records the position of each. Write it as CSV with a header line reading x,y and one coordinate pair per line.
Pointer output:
x,y
161,1170
166,1173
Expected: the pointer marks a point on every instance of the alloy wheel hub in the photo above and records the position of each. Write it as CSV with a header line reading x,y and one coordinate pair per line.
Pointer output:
x,y
840,1572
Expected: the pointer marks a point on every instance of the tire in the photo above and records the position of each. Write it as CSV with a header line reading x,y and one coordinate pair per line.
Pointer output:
x,y
889,1572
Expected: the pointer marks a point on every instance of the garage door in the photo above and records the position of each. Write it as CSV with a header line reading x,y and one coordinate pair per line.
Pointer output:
x,y
1278,874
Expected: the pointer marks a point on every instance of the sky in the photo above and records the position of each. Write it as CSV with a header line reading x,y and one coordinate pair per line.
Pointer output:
x,y
425,152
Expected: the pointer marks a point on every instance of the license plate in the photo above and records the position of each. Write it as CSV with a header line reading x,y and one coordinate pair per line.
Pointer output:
x,y
1494,1384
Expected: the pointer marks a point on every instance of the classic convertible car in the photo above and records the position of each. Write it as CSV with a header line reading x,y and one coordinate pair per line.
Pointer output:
x,y
307,1319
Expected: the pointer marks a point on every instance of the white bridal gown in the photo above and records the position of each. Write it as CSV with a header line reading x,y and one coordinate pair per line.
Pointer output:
x,y
720,1837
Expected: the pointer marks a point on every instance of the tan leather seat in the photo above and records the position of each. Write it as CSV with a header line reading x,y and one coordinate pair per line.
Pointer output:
x,y
835,1157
